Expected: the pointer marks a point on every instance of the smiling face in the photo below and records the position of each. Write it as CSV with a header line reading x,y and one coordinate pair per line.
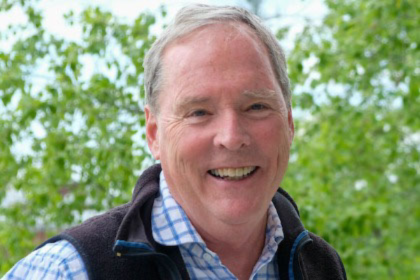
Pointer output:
x,y
222,131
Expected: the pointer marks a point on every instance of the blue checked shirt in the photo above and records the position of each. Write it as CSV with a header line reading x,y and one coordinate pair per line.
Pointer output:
x,y
58,260
170,226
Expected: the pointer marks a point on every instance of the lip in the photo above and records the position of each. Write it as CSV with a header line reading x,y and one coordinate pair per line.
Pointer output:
x,y
233,166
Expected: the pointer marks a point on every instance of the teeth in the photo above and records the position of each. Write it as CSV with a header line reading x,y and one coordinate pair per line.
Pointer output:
x,y
232,173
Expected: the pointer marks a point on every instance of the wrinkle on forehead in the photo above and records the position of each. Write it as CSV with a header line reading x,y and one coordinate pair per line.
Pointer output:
x,y
230,29
205,38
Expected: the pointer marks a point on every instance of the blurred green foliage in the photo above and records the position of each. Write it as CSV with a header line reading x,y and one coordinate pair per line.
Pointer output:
x,y
83,127
356,156
355,161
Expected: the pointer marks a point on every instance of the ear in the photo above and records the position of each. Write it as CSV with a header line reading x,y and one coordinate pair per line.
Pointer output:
x,y
291,124
152,133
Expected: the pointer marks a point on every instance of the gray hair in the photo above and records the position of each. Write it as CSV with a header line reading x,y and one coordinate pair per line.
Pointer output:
x,y
192,17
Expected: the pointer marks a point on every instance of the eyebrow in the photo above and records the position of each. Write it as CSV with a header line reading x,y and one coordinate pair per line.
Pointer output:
x,y
262,93
190,101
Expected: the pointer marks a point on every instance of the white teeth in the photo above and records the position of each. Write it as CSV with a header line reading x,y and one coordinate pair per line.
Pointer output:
x,y
232,173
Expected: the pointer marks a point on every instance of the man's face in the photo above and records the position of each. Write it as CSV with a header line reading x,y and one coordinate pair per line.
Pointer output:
x,y
223,131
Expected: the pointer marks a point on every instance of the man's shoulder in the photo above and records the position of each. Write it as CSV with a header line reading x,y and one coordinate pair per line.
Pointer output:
x,y
107,221
317,259
320,258
94,239
97,230
58,260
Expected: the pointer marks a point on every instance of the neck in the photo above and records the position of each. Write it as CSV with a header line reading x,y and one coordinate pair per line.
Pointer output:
x,y
238,246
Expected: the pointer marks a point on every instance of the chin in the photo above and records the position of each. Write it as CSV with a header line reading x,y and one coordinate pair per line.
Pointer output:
x,y
238,212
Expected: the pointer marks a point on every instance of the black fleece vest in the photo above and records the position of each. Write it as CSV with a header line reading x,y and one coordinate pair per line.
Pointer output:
x,y
95,239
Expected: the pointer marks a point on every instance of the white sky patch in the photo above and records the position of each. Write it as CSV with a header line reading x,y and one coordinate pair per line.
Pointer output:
x,y
76,173
14,102
114,192
293,157
91,144
14,16
13,196
89,67
356,99
397,103
77,122
69,198
309,63
392,178
360,184
412,140
22,148
294,14
38,130
360,70
54,22
300,132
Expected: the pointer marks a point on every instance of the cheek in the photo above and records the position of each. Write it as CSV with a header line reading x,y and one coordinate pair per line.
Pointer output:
x,y
184,146
274,140
274,134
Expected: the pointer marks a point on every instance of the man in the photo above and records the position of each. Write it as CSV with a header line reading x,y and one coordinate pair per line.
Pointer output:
x,y
219,119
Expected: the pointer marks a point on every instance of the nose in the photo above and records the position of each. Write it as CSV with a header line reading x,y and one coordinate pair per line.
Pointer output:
x,y
231,132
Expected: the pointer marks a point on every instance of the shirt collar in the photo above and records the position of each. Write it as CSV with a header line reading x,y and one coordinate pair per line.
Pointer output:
x,y
171,226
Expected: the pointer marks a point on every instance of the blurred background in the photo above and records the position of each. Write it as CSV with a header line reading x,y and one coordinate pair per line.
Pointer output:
x,y
72,140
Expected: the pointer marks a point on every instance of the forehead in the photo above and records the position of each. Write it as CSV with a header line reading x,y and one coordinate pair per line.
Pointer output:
x,y
226,57
209,44
223,31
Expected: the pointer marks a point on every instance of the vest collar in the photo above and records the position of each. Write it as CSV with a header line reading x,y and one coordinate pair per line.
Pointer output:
x,y
135,236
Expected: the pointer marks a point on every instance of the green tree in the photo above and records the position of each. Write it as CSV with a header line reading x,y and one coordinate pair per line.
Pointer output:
x,y
356,156
84,129
355,162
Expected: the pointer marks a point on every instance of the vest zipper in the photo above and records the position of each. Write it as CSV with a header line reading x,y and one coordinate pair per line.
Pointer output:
x,y
133,249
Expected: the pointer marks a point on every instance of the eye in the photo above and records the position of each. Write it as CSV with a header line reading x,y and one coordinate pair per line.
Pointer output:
x,y
257,107
198,113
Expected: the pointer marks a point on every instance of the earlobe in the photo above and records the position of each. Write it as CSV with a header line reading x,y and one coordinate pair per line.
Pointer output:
x,y
152,133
